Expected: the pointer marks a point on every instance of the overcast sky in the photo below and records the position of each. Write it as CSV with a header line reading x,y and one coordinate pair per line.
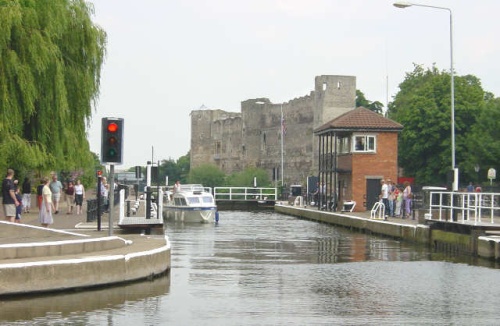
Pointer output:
x,y
166,58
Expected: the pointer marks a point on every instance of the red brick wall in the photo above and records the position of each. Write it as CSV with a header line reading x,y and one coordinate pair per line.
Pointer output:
x,y
382,164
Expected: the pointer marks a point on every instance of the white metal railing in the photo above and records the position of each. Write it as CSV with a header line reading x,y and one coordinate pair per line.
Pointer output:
x,y
245,193
471,206
156,209
348,206
299,201
378,209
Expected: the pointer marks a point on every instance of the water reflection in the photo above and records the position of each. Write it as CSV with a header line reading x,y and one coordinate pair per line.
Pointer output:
x,y
64,305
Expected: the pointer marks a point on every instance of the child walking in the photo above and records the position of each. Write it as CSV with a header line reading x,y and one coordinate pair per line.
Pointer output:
x,y
19,209
399,202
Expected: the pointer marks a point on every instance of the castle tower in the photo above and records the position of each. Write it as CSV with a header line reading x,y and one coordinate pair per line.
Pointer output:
x,y
334,96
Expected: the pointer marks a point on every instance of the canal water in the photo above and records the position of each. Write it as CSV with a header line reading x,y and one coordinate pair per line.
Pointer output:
x,y
264,268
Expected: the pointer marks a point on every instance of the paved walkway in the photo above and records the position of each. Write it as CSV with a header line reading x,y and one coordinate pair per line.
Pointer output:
x,y
62,221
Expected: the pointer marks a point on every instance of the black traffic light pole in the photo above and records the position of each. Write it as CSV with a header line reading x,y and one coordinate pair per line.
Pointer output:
x,y
99,183
148,190
111,199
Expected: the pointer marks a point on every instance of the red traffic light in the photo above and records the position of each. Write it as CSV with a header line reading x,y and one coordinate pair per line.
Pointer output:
x,y
112,127
99,173
112,140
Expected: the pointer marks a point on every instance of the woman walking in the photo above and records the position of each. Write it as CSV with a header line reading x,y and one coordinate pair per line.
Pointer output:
x,y
407,195
79,196
46,208
70,197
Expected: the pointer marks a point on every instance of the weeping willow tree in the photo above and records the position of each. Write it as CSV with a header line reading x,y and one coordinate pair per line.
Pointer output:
x,y
51,54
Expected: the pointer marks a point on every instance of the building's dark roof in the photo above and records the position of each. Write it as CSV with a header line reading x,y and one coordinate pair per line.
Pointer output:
x,y
359,119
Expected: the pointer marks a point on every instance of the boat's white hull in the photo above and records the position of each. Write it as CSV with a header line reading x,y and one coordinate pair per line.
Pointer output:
x,y
190,214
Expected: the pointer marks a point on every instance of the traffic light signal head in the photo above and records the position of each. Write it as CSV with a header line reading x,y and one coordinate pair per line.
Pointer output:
x,y
112,140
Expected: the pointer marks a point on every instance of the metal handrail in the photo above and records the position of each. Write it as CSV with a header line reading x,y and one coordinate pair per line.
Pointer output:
x,y
379,208
245,193
471,205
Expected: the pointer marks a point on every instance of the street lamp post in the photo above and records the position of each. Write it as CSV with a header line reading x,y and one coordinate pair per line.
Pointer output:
x,y
282,136
404,4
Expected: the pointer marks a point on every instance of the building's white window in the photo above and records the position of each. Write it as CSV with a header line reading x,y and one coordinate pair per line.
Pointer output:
x,y
364,143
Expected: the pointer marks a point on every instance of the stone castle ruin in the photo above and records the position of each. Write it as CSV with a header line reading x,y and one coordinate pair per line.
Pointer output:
x,y
252,138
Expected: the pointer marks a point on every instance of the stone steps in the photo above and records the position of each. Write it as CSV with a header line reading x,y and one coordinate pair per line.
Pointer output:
x,y
35,259
35,242
60,248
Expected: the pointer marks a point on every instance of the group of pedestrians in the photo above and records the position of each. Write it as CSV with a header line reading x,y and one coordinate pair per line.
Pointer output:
x,y
49,194
75,194
397,200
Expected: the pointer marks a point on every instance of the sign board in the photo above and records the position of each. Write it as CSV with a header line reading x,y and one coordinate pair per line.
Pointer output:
x,y
492,173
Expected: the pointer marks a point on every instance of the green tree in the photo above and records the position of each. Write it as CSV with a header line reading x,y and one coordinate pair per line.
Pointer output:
x,y
184,166
51,55
246,178
208,175
483,145
422,106
169,168
361,100
175,170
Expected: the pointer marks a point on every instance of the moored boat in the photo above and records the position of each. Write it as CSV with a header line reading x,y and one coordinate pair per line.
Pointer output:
x,y
192,203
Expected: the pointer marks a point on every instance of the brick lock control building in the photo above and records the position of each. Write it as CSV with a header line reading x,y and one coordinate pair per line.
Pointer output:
x,y
357,150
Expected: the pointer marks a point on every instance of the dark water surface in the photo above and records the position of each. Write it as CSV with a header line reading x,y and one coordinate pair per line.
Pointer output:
x,y
263,268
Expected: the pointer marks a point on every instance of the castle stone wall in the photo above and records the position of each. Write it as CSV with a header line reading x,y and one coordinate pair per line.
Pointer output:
x,y
234,141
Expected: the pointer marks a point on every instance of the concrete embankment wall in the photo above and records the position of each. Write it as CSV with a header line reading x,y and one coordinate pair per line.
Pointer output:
x,y
452,237
57,275
415,233
489,247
